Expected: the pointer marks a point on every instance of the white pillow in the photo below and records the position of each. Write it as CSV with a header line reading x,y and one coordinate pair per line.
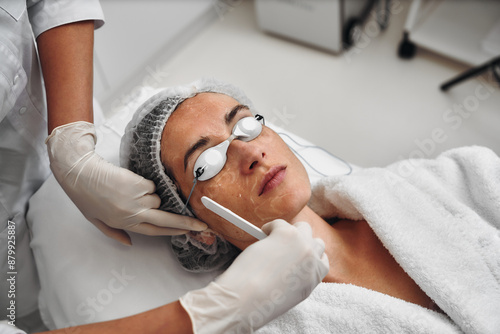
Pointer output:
x,y
87,277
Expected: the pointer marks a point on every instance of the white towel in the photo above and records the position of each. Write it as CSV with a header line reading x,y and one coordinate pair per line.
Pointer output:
x,y
440,219
349,309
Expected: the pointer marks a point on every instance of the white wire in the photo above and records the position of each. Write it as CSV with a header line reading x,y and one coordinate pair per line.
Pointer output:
x,y
316,147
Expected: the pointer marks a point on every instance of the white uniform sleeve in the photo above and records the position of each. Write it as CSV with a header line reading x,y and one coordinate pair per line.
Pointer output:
x,y
47,14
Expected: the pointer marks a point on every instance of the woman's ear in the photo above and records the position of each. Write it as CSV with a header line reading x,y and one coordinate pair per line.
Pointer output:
x,y
207,237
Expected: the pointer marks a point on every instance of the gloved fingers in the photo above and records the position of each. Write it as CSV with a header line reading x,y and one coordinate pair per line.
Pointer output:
x,y
273,225
319,246
325,267
153,230
304,228
152,201
114,233
133,184
147,186
170,220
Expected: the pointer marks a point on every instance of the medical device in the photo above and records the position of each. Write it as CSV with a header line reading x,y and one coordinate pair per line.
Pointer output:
x,y
233,218
332,25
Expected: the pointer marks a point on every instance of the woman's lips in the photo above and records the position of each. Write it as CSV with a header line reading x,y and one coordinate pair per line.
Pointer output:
x,y
272,179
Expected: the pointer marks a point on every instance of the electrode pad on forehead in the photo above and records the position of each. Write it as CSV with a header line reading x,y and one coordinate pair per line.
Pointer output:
x,y
212,160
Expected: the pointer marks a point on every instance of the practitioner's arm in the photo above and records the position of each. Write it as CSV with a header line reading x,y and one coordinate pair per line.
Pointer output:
x,y
170,318
279,272
66,57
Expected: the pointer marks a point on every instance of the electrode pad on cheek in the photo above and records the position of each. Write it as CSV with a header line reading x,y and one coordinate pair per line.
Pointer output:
x,y
212,160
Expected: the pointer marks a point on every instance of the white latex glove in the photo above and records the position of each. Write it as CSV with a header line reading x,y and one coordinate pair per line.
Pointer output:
x,y
266,280
8,329
112,198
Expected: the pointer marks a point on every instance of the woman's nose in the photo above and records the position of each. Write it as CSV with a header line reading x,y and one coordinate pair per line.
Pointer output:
x,y
248,155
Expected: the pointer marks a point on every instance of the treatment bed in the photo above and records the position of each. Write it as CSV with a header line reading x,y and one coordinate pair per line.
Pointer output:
x,y
439,218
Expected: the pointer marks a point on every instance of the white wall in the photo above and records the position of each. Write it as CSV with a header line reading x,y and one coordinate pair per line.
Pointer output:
x,y
139,34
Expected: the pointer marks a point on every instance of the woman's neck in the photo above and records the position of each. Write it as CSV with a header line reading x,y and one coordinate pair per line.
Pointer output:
x,y
318,224
321,229
348,244
357,256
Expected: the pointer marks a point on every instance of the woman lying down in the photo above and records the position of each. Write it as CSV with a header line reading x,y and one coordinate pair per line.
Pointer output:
x,y
413,247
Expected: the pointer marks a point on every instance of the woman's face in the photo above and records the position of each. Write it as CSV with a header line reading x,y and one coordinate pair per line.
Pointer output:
x,y
262,179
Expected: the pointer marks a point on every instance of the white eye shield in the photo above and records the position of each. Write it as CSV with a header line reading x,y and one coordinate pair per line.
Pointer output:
x,y
213,159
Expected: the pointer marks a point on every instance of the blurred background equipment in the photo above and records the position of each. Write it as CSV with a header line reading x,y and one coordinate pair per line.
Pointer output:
x,y
333,25
465,31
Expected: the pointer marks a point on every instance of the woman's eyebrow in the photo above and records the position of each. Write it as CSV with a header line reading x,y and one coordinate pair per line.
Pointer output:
x,y
230,115
202,142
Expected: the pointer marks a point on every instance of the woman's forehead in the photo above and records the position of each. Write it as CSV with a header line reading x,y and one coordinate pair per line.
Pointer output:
x,y
198,116
202,111
211,102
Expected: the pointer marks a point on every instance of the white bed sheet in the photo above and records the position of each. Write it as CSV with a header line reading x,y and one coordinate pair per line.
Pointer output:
x,y
87,277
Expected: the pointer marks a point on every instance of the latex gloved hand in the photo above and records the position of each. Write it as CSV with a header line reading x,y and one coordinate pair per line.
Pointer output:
x,y
112,198
8,329
266,280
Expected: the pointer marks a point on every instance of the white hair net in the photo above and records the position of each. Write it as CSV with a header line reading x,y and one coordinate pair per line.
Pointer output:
x,y
140,152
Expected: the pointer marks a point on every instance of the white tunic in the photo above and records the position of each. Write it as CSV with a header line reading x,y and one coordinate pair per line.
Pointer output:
x,y
23,128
